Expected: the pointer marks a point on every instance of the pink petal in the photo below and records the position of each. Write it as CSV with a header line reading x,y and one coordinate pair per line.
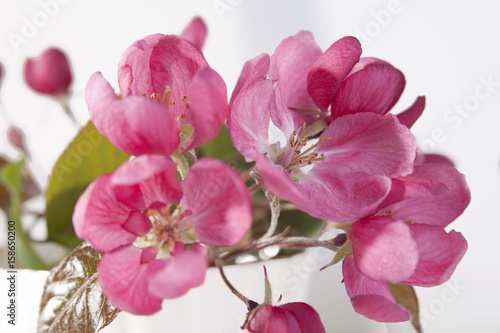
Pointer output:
x,y
217,203
384,249
271,319
410,115
307,317
184,270
439,209
439,254
328,72
370,298
375,88
124,279
146,180
248,121
136,124
208,106
174,62
49,73
422,158
278,181
290,65
342,197
99,218
134,74
369,143
195,32
294,317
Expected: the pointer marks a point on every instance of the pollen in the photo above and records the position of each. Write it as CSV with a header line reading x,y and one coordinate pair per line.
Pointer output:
x,y
165,232
307,157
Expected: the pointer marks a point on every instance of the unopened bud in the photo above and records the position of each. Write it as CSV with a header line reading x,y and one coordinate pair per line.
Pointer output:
x,y
49,73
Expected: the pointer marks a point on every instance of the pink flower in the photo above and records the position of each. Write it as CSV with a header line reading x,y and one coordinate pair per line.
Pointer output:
x,y
345,174
149,227
294,317
405,242
170,98
49,73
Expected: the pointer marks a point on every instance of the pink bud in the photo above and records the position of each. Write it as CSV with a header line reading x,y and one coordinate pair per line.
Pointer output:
x,y
17,138
2,72
294,317
49,73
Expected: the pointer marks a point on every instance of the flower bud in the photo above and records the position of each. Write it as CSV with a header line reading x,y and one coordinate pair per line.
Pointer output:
x,y
294,317
49,73
2,72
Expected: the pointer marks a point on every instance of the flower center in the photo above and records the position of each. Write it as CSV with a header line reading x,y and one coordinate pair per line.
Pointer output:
x,y
166,99
168,228
293,157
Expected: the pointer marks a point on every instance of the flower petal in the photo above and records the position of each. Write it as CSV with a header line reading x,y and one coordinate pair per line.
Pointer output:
x,y
99,218
134,74
248,121
136,125
370,298
208,106
440,208
195,32
124,279
184,270
439,254
216,203
174,62
270,319
341,197
383,249
370,143
328,72
375,88
146,180
409,116
290,65
278,181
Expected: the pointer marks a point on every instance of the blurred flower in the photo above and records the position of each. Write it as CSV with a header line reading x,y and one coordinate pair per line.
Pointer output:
x,y
49,73
294,317
170,98
17,138
145,221
2,73
344,174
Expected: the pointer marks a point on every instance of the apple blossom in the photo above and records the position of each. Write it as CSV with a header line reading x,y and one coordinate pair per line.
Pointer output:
x,y
170,98
149,227
405,242
344,174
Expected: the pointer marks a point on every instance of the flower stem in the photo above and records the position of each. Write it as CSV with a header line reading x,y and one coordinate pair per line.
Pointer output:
x,y
219,263
295,243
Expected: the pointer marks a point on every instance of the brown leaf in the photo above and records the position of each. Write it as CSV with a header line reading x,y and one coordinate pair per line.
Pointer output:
x,y
407,298
72,299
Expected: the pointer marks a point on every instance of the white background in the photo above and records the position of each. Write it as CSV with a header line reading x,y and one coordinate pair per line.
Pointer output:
x,y
446,51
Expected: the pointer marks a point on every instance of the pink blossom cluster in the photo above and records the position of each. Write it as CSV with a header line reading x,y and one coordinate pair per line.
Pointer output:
x,y
336,153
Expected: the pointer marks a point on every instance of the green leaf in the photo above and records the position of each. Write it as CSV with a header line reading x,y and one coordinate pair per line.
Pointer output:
x,y
72,299
407,298
87,157
222,148
12,179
